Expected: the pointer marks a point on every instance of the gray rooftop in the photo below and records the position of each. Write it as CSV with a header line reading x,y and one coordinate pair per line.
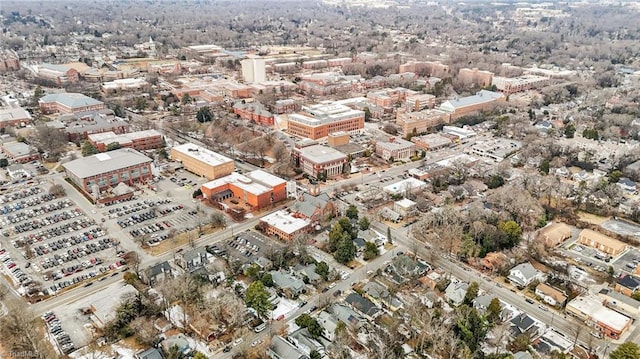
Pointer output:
x,y
70,99
527,270
321,154
105,162
481,97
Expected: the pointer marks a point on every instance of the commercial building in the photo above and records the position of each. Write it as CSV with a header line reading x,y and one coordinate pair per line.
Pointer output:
x,y
510,85
284,225
318,161
14,117
403,187
601,242
431,142
69,103
460,132
79,126
418,102
140,140
124,85
483,100
98,172
19,152
257,189
395,149
413,123
318,121
591,310
253,70
60,74
202,161
497,149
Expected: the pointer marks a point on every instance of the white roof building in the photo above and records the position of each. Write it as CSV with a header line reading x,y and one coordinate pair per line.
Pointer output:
x,y
401,187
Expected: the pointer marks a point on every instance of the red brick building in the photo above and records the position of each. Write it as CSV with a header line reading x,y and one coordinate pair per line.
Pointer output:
x,y
140,140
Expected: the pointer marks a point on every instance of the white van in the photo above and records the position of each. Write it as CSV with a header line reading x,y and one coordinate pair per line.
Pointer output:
x,y
260,328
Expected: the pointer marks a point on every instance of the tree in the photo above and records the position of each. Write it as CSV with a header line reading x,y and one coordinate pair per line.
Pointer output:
x,y
312,325
186,99
627,350
4,162
267,279
511,230
113,146
141,104
544,166
389,235
472,293
322,269
364,223
370,251
615,176
204,115
51,140
88,149
495,181
494,310
57,190
313,355
367,114
569,130
345,250
218,220
199,355
352,212
257,297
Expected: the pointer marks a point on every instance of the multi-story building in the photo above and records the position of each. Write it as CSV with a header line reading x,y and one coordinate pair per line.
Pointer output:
x,y
482,101
14,117
257,189
60,74
318,161
254,111
431,142
98,172
318,121
413,123
287,106
284,225
202,161
339,62
124,85
591,310
396,149
140,140
418,102
79,126
476,77
601,242
388,98
315,64
9,61
253,70
510,85
431,68
69,103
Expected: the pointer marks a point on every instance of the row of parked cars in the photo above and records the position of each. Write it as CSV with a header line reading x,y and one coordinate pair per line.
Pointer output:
x,y
38,212
58,334
135,207
77,253
62,243
31,211
137,218
34,224
13,269
16,195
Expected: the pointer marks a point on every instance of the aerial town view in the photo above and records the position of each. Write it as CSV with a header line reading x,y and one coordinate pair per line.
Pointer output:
x,y
306,179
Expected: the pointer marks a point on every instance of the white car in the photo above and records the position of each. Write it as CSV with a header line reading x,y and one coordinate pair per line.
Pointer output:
x,y
238,341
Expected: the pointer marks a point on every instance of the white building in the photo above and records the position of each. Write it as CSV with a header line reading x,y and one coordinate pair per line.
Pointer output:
x,y
253,70
395,149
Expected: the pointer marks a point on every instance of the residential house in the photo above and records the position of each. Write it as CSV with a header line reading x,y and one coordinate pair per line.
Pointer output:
x,y
157,273
347,315
329,323
180,341
523,274
522,324
305,343
493,260
379,294
280,348
551,295
308,271
522,355
289,284
151,353
315,208
455,292
552,341
190,260
554,234
627,284
363,305
481,303
627,185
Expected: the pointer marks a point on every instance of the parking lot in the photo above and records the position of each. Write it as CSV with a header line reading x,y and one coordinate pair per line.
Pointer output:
x,y
248,246
54,243
626,262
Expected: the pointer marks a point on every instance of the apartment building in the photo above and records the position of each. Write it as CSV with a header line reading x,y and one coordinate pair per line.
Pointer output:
x,y
14,117
395,149
420,122
476,77
202,161
98,172
257,189
601,242
139,140
9,61
69,103
417,102
339,62
431,68
318,161
318,121
511,85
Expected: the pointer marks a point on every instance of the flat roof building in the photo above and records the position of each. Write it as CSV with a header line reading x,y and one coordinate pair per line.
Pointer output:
x,y
395,149
431,142
14,117
318,121
98,172
414,123
284,225
481,101
319,160
258,189
202,161
139,140
590,309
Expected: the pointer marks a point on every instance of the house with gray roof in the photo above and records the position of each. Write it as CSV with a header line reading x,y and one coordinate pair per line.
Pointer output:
x,y
347,315
280,348
363,305
308,271
151,353
523,274
288,283
315,208
523,323
329,322
192,259
157,273
455,292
